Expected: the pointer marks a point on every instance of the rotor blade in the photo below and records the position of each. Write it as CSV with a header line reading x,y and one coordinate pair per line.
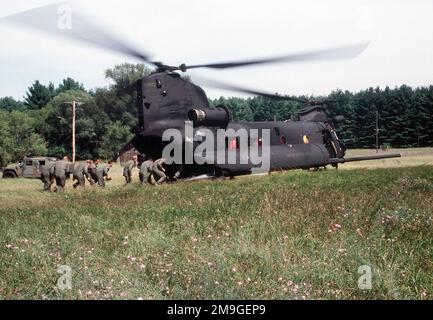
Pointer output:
x,y
339,53
327,101
234,88
61,20
273,96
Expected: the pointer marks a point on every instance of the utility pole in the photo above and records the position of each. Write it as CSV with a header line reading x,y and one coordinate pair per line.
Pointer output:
x,y
74,104
377,131
74,115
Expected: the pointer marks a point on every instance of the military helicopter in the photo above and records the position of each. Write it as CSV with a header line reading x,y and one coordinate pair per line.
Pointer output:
x,y
167,101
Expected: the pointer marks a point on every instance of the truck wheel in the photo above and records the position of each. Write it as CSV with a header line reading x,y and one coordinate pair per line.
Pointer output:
x,y
9,175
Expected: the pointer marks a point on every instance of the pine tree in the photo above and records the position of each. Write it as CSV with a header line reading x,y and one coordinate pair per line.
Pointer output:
x,y
10,104
39,95
365,119
69,84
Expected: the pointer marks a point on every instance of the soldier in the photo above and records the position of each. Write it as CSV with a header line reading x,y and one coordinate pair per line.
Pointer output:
x,y
93,178
127,171
80,172
61,169
146,171
47,175
159,171
102,173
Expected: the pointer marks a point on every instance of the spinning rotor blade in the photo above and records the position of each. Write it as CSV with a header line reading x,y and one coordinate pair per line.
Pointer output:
x,y
234,88
273,96
61,20
339,53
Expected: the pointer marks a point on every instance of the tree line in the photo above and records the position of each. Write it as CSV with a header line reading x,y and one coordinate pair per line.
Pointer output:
x,y
405,115
40,124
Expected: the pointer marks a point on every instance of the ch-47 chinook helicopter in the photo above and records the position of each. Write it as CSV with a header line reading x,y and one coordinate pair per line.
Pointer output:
x,y
166,101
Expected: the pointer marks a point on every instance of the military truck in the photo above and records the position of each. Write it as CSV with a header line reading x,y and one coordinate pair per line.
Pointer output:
x,y
28,168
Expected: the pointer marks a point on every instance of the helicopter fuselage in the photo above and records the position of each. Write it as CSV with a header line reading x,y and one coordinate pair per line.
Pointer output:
x,y
166,101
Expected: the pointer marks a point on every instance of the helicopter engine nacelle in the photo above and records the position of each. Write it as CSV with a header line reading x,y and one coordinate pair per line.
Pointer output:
x,y
313,114
211,117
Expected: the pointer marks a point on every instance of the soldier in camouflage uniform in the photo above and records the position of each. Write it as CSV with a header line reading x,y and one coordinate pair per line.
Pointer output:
x,y
80,173
159,171
47,175
146,171
92,178
102,173
127,171
61,170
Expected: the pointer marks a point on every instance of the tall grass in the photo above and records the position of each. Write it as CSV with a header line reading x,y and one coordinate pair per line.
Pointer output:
x,y
295,235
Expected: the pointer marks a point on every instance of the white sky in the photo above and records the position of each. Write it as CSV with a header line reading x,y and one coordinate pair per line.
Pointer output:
x,y
199,31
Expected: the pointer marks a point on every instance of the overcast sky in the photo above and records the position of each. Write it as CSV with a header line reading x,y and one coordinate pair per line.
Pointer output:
x,y
198,31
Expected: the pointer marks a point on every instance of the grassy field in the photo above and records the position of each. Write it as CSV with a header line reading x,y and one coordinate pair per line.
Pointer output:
x,y
294,235
410,158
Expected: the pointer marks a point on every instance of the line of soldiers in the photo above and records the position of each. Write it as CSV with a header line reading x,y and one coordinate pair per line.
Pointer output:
x,y
57,172
150,172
